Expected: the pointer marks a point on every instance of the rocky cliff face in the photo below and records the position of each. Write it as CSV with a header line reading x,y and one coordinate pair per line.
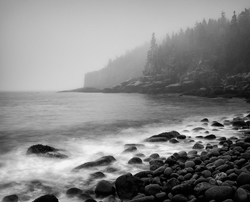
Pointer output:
x,y
130,65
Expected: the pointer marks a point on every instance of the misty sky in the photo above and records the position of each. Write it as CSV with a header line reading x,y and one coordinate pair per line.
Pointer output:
x,y
51,44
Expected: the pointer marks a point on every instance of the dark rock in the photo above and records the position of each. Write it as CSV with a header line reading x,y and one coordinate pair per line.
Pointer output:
x,y
144,199
210,137
156,139
239,123
130,149
201,187
152,189
73,192
155,163
219,193
184,188
46,198
247,139
217,124
205,120
154,156
182,137
45,151
243,178
165,136
168,171
219,162
143,174
135,160
85,196
189,164
90,200
198,146
134,145
206,173
161,196
140,155
241,195
128,186
197,129
170,184
103,161
179,198
159,171
10,198
104,188
97,175
173,141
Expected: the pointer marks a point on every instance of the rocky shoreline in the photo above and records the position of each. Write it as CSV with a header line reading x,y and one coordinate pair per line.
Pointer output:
x,y
209,172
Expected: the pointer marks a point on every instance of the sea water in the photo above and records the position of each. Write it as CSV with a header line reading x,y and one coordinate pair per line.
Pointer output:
x,y
87,126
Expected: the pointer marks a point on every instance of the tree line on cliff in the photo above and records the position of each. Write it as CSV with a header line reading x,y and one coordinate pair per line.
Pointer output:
x,y
207,53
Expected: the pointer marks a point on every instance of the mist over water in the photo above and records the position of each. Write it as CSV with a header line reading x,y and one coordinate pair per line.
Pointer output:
x,y
88,126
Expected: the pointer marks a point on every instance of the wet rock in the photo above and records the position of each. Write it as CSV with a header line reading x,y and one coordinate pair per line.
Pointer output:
x,y
197,129
219,193
189,164
130,149
210,137
201,187
84,196
163,136
173,141
128,186
170,184
159,171
239,123
182,137
241,195
97,175
10,198
198,146
217,124
73,192
46,198
205,120
179,198
103,161
168,171
243,178
135,160
219,162
143,174
154,156
182,154
45,151
144,199
90,200
134,145
104,188
152,189
140,155
155,163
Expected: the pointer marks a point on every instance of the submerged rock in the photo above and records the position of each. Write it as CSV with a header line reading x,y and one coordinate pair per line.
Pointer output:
x,y
103,161
135,160
10,198
163,136
45,151
73,192
46,198
217,124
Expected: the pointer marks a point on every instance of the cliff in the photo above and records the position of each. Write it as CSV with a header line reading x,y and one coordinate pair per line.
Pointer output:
x,y
125,67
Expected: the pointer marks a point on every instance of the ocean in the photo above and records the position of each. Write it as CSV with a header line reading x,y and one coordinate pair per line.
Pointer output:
x,y
87,126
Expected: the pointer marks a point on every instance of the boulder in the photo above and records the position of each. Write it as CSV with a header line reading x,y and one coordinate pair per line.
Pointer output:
x,y
198,146
45,151
104,188
155,163
219,193
205,120
210,137
103,161
241,195
243,178
152,189
130,149
165,136
10,198
217,124
73,192
46,198
135,160
128,186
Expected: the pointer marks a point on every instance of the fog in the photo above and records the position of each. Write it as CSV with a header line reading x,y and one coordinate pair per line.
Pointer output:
x,y
49,45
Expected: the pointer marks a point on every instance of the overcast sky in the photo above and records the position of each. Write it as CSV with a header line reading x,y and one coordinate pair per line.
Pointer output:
x,y
51,44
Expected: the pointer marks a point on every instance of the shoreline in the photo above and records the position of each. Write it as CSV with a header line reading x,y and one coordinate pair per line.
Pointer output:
x,y
173,178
